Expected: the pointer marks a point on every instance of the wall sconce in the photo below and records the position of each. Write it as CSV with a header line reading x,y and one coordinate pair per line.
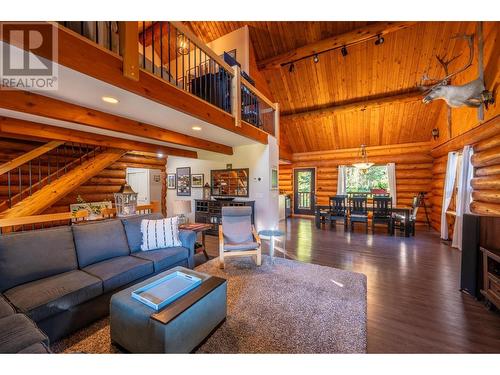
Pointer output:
x,y
435,133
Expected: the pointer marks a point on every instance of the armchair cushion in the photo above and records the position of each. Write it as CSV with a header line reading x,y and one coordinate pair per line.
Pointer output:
x,y
237,224
241,246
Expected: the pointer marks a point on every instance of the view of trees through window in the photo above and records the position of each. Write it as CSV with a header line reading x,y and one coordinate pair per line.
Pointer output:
x,y
359,181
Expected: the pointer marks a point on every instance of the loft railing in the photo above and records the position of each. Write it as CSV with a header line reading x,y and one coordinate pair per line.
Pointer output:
x,y
29,177
171,52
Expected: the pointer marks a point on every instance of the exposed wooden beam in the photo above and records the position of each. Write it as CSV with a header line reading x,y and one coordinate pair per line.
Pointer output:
x,y
30,155
355,36
39,105
14,127
51,193
360,105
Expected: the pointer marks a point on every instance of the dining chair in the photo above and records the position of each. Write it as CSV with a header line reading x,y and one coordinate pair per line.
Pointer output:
x,y
398,220
382,212
338,210
358,211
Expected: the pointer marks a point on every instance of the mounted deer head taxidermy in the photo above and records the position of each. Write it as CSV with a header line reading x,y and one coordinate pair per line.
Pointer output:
x,y
471,94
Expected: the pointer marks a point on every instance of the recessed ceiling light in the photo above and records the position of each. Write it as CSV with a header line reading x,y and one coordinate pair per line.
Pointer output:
x,y
197,128
109,99
160,155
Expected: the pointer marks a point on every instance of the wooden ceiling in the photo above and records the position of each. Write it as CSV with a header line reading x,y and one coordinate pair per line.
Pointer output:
x,y
368,72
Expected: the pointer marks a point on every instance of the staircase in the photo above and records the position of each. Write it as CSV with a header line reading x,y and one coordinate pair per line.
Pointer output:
x,y
36,177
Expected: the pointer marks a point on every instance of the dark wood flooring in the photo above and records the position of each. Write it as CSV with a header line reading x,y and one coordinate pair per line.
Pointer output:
x,y
414,305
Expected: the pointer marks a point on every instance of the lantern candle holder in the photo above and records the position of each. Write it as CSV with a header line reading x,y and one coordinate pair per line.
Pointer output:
x,y
126,201
206,191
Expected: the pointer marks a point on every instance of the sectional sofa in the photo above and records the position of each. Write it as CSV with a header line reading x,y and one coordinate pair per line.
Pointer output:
x,y
63,278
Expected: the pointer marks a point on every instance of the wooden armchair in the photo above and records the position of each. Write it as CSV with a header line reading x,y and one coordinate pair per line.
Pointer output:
x,y
237,235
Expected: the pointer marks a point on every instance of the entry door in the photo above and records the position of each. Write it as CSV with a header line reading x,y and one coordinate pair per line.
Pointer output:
x,y
304,188
138,179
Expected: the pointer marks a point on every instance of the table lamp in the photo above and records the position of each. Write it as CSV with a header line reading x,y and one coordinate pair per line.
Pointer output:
x,y
181,209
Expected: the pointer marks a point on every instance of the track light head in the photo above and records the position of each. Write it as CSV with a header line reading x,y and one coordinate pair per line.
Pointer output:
x,y
344,51
291,69
316,58
379,41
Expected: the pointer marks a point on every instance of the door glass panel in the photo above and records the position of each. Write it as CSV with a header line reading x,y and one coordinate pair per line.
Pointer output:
x,y
304,185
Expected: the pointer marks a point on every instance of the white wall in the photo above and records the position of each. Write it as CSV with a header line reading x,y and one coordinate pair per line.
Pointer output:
x,y
240,41
257,157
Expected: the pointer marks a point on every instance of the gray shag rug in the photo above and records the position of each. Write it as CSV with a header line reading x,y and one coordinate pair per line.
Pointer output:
x,y
287,307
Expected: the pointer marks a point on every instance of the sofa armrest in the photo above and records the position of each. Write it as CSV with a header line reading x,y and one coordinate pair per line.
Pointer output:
x,y
188,239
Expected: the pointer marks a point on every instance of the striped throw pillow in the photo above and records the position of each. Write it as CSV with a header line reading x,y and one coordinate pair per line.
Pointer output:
x,y
158,234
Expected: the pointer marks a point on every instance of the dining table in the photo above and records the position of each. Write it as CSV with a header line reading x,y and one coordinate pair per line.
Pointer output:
x,y
321,210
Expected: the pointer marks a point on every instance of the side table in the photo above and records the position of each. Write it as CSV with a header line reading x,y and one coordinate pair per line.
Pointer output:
x,y
272,233
198,228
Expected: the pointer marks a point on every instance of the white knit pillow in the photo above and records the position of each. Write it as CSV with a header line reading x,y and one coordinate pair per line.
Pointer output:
x,y
158,234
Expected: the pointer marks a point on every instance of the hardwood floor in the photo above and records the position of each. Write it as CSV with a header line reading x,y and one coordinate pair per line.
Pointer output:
x,y
414,305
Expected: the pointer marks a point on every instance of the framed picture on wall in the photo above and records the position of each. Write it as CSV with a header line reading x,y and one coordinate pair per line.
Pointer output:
x,y
171,181
274,178
197,180
184,181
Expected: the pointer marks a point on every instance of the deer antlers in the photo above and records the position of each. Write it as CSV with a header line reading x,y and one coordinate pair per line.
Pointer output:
x,y
445,63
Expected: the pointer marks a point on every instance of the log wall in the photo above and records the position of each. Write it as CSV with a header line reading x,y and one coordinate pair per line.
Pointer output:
x,y
413,170
99,188
485,139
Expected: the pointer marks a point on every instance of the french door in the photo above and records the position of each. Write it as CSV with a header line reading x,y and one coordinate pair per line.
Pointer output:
x,y
304,180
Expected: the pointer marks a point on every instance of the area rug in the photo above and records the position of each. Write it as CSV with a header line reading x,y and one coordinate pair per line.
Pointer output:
x,y
285,307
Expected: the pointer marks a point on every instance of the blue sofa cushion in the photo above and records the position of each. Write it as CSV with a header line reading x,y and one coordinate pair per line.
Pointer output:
x,y
99,241
47,297
120,271
33,255
164,258
5,308
38,348
18,332
132,227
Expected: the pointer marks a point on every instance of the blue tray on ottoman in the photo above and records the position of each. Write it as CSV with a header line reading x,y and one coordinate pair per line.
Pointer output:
x,y
164,291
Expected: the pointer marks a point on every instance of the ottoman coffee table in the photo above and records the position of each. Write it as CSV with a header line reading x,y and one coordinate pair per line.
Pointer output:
x,y
177,328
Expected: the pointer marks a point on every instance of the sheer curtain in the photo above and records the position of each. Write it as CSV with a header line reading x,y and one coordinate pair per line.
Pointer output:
x,y
449,183
341,180
463,195
391,174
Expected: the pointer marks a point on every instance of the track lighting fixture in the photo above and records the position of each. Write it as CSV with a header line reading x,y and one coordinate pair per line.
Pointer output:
x,y
344,51
379,40
316,58
291,69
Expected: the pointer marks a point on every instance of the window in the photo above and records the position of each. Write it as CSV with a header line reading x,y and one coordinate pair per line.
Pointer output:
x,y
365,181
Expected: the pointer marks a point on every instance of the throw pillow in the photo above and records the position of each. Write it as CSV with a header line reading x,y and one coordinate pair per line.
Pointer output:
x,y
158,234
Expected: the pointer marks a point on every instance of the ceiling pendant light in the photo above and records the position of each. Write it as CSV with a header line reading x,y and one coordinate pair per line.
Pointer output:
x,y
316,58
363,165
291,69
344,51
